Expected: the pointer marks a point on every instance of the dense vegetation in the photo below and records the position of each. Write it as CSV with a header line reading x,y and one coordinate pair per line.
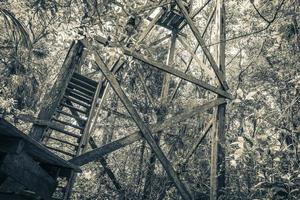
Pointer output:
x,y
262,68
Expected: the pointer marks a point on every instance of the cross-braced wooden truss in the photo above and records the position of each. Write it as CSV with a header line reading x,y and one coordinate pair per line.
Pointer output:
x,y
80,98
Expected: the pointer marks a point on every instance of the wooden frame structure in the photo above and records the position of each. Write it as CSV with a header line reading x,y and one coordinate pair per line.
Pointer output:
x,y
71,89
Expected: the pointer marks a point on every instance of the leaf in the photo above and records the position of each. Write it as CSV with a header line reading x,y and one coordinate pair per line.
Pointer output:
x,y
277,159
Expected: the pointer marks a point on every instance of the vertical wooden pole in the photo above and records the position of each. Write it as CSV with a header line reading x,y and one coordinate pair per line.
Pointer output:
x,y
217,176
161,114
170,60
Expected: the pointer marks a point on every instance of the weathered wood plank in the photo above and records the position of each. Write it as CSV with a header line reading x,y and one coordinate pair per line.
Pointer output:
x,y
146,133
53,97
127,140
198,142
26,171
177,73
218,139
207,53
34,148
166,82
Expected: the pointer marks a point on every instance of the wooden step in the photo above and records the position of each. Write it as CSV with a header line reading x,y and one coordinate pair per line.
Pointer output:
x,y
75,109
90,97
62,141
61,151
79,96
77,102
81,89
83,84
65,132
68,124
85,79
70,115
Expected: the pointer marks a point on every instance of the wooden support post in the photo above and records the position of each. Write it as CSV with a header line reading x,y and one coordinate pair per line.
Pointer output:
x,y
160,118
146,133
217,177
54,96
166,82
197,34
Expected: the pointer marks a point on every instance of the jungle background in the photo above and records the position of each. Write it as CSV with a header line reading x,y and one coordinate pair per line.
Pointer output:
x,y
262,68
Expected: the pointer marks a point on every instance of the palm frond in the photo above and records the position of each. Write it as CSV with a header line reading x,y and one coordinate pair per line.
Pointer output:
x,y
16,26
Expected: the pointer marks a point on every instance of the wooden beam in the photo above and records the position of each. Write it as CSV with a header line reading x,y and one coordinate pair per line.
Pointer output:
x,y
55,94
33,148
170,59
195,57
26,171
177,73
127,140
197,34
198,142
40,122
193,15
191,58
146,133
217,173
107,169
160,40
150,26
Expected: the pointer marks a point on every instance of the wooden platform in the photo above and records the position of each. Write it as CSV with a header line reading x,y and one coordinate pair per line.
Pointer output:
x,y
26,165
171,20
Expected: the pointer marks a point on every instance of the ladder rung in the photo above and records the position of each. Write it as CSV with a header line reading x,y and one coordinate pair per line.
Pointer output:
x,y
68,124
62,141
79,96
73,108
61,151
77,92
82,89
65,132
83,84
73,116
78,102
85,79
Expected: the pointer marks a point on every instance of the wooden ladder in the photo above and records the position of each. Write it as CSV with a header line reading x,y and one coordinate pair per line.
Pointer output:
x,y
73,118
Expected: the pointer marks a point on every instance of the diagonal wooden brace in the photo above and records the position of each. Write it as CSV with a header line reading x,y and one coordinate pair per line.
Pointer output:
x,y
177,73
146,133
200,40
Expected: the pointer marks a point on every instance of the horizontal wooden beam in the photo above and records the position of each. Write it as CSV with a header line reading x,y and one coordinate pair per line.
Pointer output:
x,y
127,140
200,40
176,72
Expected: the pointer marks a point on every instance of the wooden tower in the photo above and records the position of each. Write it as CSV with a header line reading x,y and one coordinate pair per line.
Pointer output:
x,y
80,98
